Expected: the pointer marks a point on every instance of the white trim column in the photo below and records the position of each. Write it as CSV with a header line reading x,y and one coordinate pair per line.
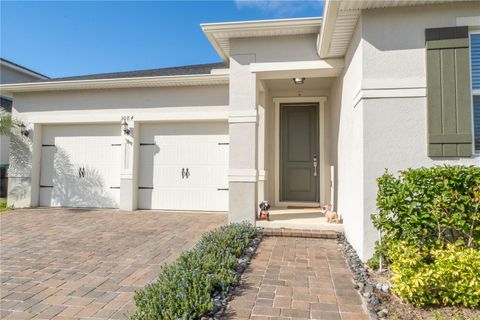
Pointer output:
x,y
129,166
243,140
262,175
24,169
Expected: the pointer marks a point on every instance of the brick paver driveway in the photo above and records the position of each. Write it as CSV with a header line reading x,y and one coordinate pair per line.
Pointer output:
x,y
297,278
68,264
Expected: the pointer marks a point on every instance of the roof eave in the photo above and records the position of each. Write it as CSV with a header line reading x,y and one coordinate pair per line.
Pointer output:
x,y
330,14
210,29
163,81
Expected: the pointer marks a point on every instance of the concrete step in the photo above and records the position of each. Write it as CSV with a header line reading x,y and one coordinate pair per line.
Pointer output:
x,y
300,233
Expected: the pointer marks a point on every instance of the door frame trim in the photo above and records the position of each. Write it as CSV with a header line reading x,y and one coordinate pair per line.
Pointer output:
x,y
321,123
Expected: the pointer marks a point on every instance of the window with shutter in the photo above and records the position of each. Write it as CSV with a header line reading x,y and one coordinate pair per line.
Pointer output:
x,y
448,92
475,65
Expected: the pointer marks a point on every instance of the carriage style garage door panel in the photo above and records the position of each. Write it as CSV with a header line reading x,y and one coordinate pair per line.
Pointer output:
x,y
80,166
184,166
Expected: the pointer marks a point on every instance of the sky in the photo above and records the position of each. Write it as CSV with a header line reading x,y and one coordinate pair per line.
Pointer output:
x,y
67,38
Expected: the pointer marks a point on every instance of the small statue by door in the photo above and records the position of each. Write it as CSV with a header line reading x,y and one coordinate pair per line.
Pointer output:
x,y
264,207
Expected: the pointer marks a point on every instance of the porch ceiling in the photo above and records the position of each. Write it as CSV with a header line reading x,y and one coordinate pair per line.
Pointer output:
x,y
310,83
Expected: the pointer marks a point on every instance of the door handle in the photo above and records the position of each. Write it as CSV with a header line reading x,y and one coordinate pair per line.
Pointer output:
x,y
183,173
187,173
315,164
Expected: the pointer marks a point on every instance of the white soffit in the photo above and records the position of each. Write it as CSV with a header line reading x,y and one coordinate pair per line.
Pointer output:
x,y
341,16
219,34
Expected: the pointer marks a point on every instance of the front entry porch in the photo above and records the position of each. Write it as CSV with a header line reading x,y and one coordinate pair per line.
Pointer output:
x,y
280,141
301,218
293,153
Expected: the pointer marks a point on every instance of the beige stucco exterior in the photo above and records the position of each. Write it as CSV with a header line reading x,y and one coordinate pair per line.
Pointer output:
x,y
373,102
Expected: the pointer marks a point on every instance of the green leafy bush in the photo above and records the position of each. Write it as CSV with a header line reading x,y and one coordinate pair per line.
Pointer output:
x,y
3,205
430,207
449,276
184,289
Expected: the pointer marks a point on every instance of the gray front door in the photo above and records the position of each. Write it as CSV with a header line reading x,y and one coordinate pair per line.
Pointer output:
x,y
299,152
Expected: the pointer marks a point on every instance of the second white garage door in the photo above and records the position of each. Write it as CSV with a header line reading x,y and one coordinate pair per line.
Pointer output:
x,y
184,166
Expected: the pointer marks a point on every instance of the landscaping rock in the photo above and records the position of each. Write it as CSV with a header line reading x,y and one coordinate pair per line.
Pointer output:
x,y
362,280
221,301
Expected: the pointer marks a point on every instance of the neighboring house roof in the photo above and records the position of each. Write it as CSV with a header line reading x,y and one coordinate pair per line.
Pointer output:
x,y
219,34
171,71
13,65
340,18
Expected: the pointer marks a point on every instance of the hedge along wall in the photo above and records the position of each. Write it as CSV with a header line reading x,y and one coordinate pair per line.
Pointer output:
x,y
430,225
430,206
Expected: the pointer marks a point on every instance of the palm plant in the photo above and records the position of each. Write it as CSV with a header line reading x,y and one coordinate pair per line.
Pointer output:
x,y
6,123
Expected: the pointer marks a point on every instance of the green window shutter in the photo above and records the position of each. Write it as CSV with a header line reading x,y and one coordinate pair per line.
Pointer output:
x,y
449,107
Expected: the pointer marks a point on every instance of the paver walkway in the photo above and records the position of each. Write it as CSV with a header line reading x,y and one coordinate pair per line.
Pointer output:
x,y
297,278
71,264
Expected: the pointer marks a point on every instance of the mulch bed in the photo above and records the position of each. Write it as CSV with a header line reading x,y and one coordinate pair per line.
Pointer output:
x,y
385,305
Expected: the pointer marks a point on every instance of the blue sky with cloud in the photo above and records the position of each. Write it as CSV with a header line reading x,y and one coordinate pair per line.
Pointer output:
x,y
73,38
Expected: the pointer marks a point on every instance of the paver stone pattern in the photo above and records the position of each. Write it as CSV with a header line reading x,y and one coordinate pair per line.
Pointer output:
x,y
87,264
297,278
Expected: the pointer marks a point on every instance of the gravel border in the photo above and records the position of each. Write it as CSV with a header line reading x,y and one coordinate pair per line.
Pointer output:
x,y
362,280
221,300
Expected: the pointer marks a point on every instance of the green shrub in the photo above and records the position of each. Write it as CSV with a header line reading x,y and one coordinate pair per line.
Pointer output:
x,y
429,206
184,289
449,276
3,205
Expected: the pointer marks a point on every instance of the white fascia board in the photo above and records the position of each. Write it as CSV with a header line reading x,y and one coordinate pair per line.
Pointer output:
x,y
315,68
259,24
163,81
330,14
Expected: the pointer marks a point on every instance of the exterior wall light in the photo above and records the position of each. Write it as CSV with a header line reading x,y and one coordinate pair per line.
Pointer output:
x,y
298,80
23,130
125,127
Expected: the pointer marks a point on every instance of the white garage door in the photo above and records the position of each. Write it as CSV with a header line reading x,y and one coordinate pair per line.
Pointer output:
x,y
184,166
80,166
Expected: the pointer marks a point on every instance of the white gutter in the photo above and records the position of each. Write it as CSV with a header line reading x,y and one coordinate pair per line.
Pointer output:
x,y
259,24
162,81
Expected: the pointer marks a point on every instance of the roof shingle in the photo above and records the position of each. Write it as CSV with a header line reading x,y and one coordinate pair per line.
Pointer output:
x,y
171,71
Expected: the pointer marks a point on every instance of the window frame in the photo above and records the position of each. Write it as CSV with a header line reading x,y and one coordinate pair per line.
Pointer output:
x,y
472,91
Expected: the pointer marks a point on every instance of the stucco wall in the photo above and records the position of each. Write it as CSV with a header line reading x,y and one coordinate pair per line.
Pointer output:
x,y
346,148
394,40
277,49
122,99
395,128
